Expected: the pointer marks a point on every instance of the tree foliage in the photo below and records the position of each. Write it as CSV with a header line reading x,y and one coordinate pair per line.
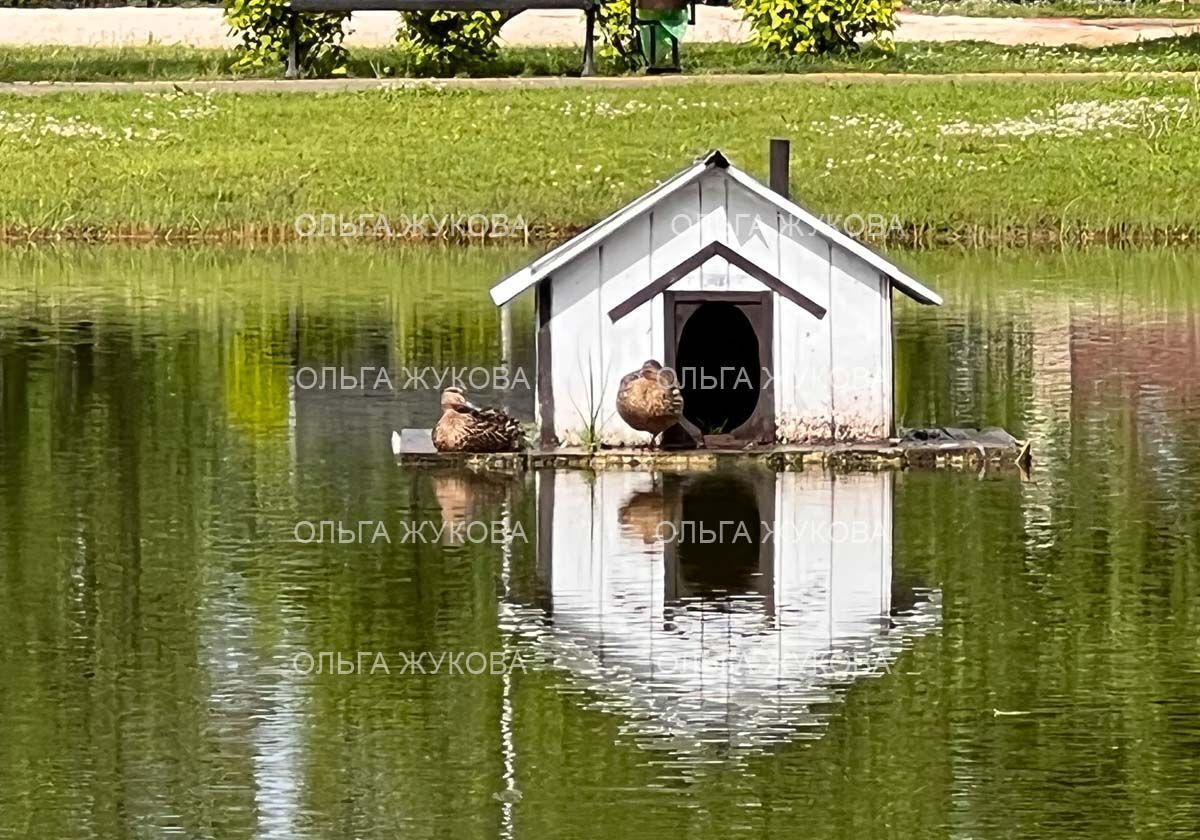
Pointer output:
x,y
447,42
616,31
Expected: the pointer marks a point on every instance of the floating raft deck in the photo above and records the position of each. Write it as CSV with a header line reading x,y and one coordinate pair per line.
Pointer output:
x,y
980,451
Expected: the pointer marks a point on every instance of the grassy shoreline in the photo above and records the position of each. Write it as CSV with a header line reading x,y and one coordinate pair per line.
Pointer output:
x,y
981,164
81,64
1085,9
1047,236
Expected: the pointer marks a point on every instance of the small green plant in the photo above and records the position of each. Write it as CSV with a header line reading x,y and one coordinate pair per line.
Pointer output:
x,y
799,27
442,43
263,28
592,434
589,438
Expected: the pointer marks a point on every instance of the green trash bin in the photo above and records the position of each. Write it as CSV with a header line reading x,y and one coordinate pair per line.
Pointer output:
x,y
661,26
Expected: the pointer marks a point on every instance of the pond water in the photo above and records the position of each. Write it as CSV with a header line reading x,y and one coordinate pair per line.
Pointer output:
x,y
924,654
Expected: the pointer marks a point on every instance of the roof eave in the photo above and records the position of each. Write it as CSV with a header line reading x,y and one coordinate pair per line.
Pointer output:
x,y
514,284
511,286
910,287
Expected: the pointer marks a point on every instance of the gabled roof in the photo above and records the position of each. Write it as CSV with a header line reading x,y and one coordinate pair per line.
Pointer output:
x,y
547,264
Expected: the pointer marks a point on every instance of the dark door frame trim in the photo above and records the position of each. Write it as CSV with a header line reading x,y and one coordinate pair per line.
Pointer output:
x,y
545,366
714,249
758,307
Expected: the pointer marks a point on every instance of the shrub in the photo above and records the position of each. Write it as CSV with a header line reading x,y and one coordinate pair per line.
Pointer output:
x,y
620,41
442,43
447,42
263,28
817,26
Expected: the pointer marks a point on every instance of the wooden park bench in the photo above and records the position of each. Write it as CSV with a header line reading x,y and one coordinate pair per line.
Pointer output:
x,y
514,7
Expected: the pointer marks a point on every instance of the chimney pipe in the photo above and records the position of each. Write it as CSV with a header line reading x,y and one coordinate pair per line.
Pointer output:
x,y
781,152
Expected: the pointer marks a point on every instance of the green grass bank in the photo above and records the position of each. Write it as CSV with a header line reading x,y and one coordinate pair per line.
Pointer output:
x,y
1086,9
933,162
88,64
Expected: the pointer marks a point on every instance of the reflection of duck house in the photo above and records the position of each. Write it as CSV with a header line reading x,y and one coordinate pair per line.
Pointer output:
x,y
778,325
736,641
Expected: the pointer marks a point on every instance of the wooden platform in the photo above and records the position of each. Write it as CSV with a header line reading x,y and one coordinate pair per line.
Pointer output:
x,y
972,455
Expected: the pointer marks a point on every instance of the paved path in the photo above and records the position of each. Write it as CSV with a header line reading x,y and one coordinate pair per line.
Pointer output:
x,y
544,82
203,27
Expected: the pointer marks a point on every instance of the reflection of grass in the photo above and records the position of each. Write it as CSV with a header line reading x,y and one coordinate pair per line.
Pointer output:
x,y
175,62
431,303
929,161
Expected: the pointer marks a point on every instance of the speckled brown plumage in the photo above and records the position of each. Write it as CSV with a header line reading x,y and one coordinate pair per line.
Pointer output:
x,y
464,427
649,399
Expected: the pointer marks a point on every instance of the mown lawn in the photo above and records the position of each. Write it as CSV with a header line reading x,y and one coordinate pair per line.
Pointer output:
x,y
935,159
172,62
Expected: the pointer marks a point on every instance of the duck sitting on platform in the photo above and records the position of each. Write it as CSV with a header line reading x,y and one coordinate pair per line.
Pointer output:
x,y
464,427
649,399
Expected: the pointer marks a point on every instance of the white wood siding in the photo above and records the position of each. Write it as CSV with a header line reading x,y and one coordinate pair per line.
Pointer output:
x,y
856,296
626,268
803,391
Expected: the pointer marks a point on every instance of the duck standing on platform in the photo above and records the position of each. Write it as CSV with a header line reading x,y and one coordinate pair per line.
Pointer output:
x,y
464,427
649,399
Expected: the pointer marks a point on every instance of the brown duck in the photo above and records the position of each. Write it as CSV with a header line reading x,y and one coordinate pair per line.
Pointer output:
x,y
464,427
649,399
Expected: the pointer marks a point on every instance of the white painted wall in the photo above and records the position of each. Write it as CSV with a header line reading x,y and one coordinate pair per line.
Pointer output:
x,y
833,377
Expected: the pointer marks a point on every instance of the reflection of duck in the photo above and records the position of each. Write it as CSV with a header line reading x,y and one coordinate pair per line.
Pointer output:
x,y
465,497
649,514
464,427
643,515
649,399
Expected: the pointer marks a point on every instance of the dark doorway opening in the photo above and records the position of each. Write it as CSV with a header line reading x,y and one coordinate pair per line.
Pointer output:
x,y
724,548
722,356
727,506
718,345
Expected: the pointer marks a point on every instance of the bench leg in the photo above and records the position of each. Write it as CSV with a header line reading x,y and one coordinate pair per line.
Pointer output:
x,y
589,63
293,59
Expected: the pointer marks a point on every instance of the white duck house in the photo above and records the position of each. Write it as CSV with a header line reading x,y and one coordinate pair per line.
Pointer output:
x,y
777,324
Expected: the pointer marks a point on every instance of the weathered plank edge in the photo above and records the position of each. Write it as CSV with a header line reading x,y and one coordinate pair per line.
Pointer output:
x,y
857,457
